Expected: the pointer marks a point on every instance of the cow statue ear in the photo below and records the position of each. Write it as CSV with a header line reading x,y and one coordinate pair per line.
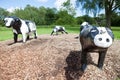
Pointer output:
x,y
110,32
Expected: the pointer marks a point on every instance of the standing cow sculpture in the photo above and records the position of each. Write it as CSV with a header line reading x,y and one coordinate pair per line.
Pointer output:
x,y
59,29
94,39
19,26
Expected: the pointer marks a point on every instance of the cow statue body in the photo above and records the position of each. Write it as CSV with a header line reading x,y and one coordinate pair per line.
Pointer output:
x,y
58,29
94,39
19,26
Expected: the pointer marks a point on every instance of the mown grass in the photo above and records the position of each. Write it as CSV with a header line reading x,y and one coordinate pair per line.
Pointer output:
x,y
116,31
6,33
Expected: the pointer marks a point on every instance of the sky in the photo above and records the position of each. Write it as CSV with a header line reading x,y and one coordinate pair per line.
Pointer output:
x,y
11,5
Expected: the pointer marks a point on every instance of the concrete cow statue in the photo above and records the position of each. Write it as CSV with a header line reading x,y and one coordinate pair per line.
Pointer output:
x,y
59,29
19,26
94,39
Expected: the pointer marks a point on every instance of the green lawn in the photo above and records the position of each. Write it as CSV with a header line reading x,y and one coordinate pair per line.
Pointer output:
x,y
6,33
116,31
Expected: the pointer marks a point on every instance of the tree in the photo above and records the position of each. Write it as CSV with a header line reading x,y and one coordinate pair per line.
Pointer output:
x,y
69,7
64,18
32,13
115,19
95,6
50,15
100,20
85,18
3,13
41,15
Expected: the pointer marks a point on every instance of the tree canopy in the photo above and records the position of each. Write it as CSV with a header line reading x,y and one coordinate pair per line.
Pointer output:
x,y
51,16
95,6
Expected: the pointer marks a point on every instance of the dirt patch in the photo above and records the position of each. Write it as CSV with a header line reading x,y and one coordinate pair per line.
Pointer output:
x,y
54,58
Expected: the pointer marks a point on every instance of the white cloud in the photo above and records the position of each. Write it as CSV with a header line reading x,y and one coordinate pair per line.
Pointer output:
x,y
42,0
58,3
12,9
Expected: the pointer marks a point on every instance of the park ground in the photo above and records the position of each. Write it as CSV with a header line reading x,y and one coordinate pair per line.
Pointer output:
x,y
54,58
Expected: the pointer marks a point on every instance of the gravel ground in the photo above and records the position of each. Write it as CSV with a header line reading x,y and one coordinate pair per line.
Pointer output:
x,y
54,58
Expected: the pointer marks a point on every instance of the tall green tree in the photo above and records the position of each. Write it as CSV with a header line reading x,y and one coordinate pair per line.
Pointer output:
x,y
50,15
64,18
41,15
69,7
95,6
3,13
115,19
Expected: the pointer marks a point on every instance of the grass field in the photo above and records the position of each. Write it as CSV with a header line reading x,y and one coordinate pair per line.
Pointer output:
x,y
6,33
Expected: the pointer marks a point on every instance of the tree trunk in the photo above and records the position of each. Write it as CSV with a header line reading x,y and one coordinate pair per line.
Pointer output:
x,y
108,19
108,13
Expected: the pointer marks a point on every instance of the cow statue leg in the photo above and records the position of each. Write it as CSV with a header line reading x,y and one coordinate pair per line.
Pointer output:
x,y
52,32
56,33
15,37
35,34
28,37
24,37
101,58
83,60
65,32
62,32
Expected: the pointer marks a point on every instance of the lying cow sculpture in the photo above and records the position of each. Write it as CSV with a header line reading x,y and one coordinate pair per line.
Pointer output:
x,y
24,27
58,29
94,39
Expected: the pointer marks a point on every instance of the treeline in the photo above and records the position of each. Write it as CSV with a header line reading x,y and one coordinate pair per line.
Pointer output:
x,y
51,16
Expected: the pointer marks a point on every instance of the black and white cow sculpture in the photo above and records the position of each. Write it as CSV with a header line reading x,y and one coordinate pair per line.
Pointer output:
x,y
94,39
19,26
59,29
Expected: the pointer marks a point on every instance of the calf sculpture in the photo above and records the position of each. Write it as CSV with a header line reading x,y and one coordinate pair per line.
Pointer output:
x,y
59,29
24,27
94,39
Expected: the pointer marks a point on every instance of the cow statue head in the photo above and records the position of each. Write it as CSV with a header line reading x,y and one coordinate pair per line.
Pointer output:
x,y
11,21
100,36
97,39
